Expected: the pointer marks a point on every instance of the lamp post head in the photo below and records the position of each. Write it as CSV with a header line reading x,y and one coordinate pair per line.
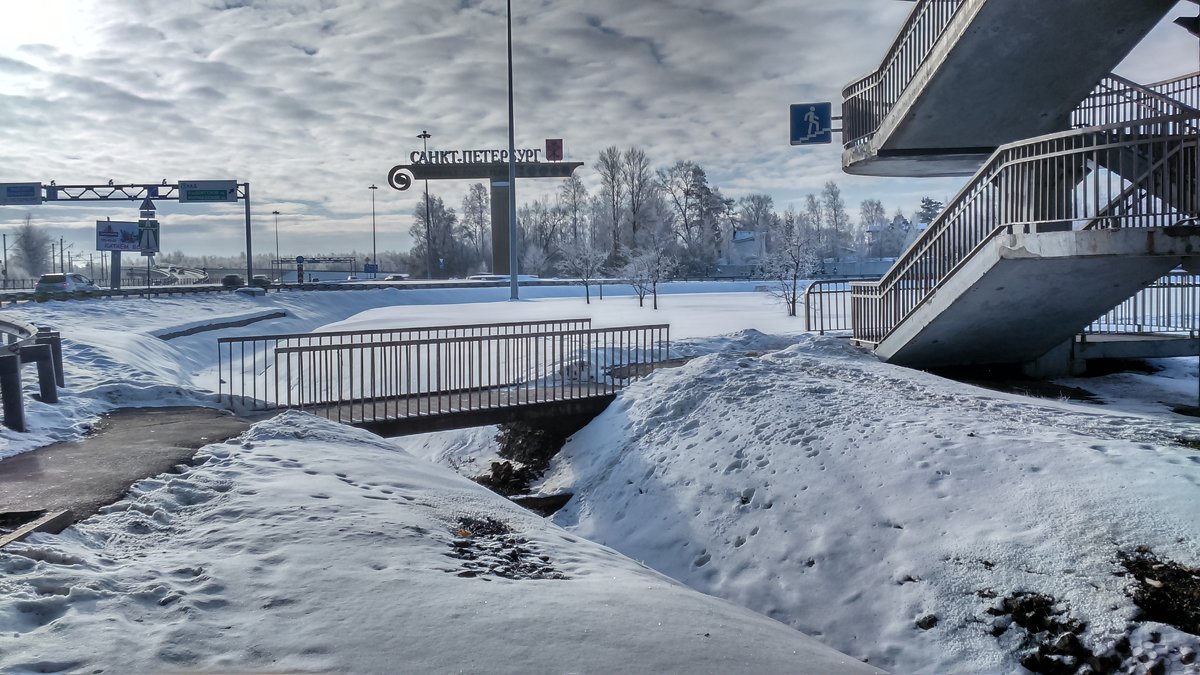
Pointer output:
x,y
275,213
424,134
372,187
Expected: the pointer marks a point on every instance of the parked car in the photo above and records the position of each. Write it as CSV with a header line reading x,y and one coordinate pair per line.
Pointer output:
x,y
260,280
232,281
68,282
395,277
351,278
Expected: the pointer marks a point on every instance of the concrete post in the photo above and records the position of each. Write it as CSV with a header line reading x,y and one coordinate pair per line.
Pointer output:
x,y
54,339
42,355
500,215
10,391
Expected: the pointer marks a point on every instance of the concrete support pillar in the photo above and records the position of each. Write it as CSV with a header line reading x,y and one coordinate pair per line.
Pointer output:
x,y
499,227
1057,362
10,392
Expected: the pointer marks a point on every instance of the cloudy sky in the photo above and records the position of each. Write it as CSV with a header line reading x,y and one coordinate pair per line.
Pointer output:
x,y
312,101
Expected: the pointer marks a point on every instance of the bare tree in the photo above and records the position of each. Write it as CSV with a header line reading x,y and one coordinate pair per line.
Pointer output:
x,y
31,250
582,260
657,256
574,198
872,222
612,187
815,216
635,171
793,260
836,218
756,213
685,188
476,219
534,259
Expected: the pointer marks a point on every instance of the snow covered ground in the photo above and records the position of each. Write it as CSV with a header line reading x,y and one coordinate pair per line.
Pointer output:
x,y
789,474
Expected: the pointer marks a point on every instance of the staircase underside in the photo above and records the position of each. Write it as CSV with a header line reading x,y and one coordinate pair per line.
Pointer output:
x,y
1021,295
1004,71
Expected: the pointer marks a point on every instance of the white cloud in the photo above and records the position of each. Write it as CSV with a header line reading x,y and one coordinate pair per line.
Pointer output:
x,y
313,100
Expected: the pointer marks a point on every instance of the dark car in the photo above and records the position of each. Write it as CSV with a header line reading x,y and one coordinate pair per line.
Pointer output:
x,y
232,281
260,280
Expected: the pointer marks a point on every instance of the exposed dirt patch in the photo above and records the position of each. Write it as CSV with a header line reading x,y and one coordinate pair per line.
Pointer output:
x,y
487,548
1166,591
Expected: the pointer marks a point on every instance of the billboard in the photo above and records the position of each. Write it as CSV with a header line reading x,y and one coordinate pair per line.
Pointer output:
x,y
116,235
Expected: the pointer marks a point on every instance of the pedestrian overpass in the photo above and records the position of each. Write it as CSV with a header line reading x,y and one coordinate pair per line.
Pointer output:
x,y
1084,187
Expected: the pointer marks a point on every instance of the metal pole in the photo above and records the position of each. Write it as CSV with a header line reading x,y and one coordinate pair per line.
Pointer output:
x,y
6,261
374,251
276,213
249,249
512,175
425,136
61,267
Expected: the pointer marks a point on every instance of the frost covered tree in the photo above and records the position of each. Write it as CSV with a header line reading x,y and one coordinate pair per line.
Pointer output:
x,y
476,219
793,260
582,260
31,251
574,199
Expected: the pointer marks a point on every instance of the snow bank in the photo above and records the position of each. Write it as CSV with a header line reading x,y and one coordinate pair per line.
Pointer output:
x,y
308,546
848,498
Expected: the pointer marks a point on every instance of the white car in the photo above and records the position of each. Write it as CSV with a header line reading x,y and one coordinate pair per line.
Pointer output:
x,y
68,282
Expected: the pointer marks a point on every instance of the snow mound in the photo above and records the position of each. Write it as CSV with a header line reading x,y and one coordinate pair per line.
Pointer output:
x,y
849,498
307,546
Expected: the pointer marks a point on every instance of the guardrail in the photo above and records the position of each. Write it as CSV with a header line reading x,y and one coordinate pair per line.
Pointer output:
x,y
156,291
26,343
480,368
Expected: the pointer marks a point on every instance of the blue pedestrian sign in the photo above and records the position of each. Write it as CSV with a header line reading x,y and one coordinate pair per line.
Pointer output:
x,y
812,123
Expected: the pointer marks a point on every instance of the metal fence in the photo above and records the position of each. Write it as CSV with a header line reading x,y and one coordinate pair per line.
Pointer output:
x,y
1140,174
248,365
827,305
1169,305
403,373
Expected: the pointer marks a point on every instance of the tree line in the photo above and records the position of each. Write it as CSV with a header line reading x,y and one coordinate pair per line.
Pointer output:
x,y
648,224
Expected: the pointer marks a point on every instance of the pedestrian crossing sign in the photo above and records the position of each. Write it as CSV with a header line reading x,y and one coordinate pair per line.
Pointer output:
x,y
812,123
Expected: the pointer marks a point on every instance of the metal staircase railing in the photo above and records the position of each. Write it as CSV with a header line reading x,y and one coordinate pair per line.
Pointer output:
x,y
1053,182
867,101
1116,99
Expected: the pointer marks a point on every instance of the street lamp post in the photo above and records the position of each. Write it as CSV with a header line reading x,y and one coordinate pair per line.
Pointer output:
x,y
374,251
425,136
273,265
512,175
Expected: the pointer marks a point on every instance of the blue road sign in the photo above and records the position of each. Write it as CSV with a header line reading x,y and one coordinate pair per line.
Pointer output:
x,y
812,123
370,268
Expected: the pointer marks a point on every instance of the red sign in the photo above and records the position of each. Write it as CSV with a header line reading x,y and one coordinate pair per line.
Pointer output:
x,y
554,150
